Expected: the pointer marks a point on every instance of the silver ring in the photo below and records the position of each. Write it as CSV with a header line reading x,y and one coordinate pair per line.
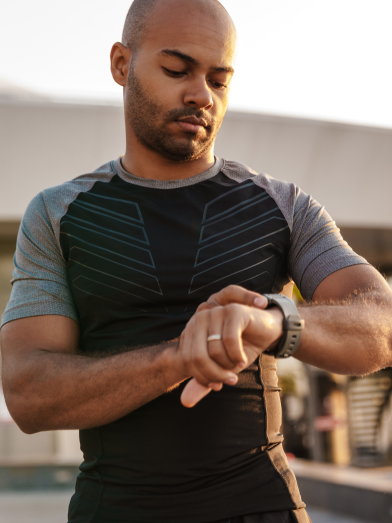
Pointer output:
x,y
214,337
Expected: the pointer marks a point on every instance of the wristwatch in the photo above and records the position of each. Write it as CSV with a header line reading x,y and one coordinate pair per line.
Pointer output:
x,y
292,325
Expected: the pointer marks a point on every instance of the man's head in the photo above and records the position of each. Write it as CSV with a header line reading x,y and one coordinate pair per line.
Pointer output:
x,y
175,63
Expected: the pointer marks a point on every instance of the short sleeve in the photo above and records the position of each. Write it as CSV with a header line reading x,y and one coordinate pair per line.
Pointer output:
x,y
317,247
40,284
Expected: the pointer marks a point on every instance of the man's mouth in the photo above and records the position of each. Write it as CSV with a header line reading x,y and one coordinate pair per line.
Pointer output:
x,y
191,124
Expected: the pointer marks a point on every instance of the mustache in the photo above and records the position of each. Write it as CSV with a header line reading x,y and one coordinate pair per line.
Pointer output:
x,y
175,114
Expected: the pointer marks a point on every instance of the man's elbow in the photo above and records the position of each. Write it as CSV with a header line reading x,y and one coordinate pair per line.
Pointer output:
x,y
27,428
378,356
23,398
23,412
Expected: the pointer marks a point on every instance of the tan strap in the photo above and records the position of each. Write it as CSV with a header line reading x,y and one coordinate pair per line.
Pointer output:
x,y
301,515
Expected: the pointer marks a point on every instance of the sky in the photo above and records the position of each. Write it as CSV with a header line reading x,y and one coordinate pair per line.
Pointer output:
x,y
323,59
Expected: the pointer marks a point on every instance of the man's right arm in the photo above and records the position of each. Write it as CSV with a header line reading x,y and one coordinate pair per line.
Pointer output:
x,y
47,383
49,386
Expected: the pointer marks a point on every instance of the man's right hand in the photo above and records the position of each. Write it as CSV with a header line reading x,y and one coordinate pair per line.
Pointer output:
x,y
233,294
245,333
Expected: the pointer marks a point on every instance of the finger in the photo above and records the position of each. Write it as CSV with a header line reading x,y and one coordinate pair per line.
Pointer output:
x,y
204,369
193,392
287,290
204,307
216,348
237,294
216,386
207,372
217,352
232,335
186,345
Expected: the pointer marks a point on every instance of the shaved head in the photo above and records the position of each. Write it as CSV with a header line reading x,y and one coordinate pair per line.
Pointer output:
x,y
135,23
175,63
140,13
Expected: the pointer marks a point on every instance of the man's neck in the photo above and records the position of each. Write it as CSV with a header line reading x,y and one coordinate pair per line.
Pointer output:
x,y
141,161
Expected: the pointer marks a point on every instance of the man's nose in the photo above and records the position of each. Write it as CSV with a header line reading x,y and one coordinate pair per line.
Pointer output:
x,y
199,95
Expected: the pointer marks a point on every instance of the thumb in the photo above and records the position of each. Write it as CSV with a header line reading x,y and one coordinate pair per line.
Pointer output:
x,y
260,302
237,294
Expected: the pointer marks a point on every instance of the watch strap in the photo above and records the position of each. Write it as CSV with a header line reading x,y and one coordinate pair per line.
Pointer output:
x,y
292,325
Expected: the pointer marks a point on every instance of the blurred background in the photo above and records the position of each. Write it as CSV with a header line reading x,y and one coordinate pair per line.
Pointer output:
x,y
311,104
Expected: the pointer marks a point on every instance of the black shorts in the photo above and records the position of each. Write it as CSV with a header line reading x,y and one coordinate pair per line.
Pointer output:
x,y
285,516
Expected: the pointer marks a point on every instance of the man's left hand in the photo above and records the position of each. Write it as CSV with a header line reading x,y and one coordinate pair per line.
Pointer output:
x,y
234,294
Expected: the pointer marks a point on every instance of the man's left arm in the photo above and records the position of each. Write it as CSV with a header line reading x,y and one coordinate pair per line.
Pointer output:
x,y
348,314
348,325
348,328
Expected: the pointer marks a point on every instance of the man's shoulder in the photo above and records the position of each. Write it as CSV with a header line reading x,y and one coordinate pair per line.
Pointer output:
x,y
79,184
237,171
285,193
241,172
53,202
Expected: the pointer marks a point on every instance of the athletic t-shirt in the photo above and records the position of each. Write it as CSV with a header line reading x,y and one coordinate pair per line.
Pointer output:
x,y
130,259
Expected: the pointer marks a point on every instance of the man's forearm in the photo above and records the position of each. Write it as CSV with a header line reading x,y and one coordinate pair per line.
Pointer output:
x,y
69,391
353,337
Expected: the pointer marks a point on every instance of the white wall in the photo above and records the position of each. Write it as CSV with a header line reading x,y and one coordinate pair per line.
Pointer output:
x,y
347,168
45,144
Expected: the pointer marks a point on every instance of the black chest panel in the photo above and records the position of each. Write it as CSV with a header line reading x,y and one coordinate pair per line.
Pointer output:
x,y
140,260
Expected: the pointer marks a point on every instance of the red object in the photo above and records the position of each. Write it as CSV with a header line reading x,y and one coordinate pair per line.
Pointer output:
x,y
327,423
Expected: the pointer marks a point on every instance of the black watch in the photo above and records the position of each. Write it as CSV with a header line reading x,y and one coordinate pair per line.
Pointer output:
x,y
292,325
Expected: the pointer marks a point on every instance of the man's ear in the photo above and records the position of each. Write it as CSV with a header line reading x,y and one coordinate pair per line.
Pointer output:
x,y
120,58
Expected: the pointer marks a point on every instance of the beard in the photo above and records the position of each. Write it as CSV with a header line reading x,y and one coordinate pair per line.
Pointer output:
x,y
149,121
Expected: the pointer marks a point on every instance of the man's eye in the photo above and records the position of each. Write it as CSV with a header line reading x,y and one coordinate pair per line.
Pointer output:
x,y
174,74
218,86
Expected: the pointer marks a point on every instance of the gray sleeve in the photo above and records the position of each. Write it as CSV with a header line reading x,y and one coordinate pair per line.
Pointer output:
x,y
317,248
40,283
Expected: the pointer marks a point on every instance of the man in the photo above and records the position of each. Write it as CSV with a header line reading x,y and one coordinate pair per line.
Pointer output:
x,y
170,241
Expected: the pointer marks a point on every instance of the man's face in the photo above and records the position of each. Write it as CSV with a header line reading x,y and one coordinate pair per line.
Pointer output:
x,y
178,82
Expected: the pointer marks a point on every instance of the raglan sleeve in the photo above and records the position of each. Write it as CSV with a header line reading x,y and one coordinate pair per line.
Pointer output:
x,y
317,248
40,283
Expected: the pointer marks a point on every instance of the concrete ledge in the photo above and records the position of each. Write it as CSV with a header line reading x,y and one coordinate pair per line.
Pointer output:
x,y
365,494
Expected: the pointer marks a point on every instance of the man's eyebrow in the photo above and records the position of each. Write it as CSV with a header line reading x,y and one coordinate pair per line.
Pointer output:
x,y
193,61
223,69
181,56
